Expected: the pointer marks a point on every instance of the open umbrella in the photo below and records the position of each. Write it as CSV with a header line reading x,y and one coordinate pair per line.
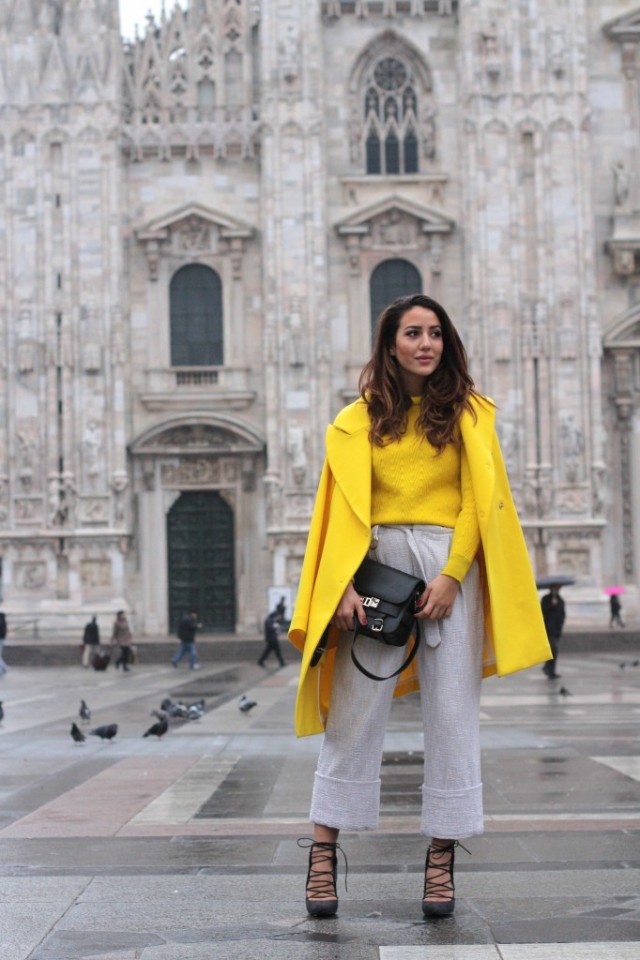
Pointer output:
x,y
613,591
555,580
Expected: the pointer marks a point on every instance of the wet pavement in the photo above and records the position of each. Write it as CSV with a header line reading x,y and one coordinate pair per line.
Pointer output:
x,y
185,848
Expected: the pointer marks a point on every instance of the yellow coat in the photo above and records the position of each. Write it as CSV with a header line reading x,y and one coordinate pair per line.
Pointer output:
x,y
340,536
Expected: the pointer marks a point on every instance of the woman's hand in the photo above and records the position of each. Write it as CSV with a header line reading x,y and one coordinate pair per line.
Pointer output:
x,y
349,606
437,600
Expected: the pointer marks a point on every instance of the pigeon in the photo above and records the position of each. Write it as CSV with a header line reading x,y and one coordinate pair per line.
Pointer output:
x,y
77,733
195,712
564,692
245,704
199,704
157,729
1,712
173,709
84,713
106,732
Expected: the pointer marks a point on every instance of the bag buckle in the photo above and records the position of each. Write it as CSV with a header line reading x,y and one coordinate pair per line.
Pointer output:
x,y
377,626
373,602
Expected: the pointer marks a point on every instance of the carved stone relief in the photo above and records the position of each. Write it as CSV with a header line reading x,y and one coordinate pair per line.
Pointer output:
x,y
573,446
96,578
119,484
28,449
30,575
94,510
92,453
575,562
194,235
28,509
393,230
296,449
572,500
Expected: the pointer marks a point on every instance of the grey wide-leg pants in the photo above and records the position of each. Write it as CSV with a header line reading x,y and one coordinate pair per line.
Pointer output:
x,y
346,791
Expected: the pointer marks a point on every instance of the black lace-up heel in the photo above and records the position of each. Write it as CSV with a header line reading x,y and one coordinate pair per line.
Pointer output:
x,y
321,894
441,885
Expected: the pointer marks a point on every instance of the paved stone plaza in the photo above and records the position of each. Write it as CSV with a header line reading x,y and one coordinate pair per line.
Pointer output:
x,y
185,848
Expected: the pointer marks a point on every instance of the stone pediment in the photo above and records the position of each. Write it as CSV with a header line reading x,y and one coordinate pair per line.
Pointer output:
x,y
198,435
625,28
393,211
194,230
195,216
624,332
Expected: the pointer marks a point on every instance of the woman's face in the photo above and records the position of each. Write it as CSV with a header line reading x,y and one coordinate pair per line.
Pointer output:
x,y
418,347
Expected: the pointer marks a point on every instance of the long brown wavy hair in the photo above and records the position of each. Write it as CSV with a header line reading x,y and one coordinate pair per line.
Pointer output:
x,y
445,394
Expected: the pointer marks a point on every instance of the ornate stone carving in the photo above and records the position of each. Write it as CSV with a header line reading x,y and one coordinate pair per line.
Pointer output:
x,y
557,51
296,448
572,500
28,453
394,229
30,575
28,509
193,235
94,510
92,452
620,183
119,484
197,471
576,562
197,436
96,577
572,439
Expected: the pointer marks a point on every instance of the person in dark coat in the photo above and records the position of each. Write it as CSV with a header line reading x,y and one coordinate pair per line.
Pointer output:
x,y
3,637
615,606
272,644
187,635
553,613
90,640
122,637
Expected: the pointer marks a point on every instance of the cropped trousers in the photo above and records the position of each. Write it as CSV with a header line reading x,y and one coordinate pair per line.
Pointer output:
x,y
346,790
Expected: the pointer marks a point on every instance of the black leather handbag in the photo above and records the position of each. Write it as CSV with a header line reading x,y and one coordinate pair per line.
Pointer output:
x,y
389,598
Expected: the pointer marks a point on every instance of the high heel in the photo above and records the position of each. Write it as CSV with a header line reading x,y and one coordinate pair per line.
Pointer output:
x,y
322,882
442,884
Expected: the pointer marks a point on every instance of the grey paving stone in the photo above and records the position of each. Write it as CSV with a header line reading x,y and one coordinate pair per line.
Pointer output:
x,y
23,925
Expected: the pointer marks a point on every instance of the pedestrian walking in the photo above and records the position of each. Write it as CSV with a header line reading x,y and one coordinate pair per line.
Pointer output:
x,y
187,630
553,613
90,641
122,637
616,611
271,638
3,637
413,478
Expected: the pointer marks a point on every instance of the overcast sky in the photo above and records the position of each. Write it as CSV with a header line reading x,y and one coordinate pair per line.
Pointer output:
x,y
135,11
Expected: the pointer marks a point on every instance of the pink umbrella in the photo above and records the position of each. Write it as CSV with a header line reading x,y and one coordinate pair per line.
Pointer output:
x,y
613,591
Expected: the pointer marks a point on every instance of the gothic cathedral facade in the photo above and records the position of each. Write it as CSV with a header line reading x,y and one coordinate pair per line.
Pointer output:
x,y
198,228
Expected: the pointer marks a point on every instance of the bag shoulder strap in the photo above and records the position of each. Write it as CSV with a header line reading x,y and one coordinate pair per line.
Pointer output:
x,y
372,676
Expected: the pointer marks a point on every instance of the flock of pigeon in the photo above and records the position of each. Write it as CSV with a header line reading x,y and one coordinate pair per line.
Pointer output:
x,y
168,711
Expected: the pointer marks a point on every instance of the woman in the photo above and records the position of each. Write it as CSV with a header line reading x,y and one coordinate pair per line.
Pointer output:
x,y
121,636
415,478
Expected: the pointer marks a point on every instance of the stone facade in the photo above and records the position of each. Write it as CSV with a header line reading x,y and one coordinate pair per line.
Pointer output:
x,y
291,151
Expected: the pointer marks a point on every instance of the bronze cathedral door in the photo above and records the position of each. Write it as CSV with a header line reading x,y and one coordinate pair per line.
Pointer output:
x,y
200,550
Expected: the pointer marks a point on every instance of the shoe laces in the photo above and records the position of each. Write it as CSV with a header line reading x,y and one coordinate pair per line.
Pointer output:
x,y
323,881
440,885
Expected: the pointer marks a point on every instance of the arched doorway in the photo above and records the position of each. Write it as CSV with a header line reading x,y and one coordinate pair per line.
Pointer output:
x,y
200,553
392,279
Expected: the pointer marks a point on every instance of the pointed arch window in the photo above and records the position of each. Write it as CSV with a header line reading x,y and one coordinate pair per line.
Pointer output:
x,y
392,279
195,302
390,118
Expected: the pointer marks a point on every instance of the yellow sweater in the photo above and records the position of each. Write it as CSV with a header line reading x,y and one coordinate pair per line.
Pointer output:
x,y
412,483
